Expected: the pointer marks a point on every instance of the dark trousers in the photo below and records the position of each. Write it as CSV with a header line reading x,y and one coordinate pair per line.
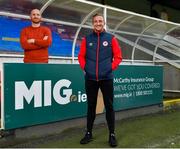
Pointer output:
x,y
92,88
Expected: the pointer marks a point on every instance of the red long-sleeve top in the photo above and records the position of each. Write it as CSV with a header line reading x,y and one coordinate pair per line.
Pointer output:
x,y
38,51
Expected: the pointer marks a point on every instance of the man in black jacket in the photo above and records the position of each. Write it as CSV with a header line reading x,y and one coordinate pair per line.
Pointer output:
x,y
99,55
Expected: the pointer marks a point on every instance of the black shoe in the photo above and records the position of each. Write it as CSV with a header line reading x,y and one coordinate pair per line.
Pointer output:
x,y
87,138
112,140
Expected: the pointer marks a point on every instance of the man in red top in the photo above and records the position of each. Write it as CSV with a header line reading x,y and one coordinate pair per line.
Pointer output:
x,y
35,40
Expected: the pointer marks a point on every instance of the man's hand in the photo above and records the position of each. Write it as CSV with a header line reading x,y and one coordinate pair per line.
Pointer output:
x,y
45,38
31,41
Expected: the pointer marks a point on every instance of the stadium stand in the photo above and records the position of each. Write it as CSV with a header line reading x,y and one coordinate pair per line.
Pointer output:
x,y
10,33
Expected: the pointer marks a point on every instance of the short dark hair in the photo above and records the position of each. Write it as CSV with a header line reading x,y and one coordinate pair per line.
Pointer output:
x,y
95,15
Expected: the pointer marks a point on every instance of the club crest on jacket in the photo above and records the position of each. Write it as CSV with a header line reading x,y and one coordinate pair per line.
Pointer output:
x,y
105,43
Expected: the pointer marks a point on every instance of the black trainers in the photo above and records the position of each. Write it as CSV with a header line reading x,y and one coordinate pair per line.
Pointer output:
x,y
87,138
112,140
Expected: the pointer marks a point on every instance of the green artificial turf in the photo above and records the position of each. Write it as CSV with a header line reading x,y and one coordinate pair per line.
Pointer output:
x,y
156,130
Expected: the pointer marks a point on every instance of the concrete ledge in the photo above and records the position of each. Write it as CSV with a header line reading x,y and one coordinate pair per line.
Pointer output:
x,y
170,104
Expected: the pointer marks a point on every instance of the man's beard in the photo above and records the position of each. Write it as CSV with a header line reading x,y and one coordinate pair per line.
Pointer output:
x,y
36,21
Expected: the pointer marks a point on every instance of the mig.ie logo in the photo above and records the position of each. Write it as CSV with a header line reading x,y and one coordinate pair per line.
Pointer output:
x,y
42,92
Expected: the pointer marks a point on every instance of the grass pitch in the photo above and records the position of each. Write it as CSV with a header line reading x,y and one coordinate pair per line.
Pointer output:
x,y
153,131
161,130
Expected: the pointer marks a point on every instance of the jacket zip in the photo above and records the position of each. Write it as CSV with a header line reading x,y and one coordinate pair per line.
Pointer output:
x,y
97,57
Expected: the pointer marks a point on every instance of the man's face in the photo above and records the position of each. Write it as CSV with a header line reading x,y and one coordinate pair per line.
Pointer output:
x,y
35,16
98,23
